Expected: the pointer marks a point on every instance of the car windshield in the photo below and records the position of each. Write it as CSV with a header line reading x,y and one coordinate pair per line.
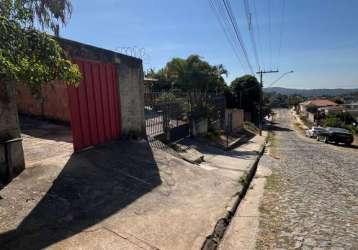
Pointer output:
x,y
317,129
338,130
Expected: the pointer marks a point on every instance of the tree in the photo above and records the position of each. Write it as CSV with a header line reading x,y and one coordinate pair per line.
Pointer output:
x,y
230,98
163,82
294,100
247,91
196,78
193,74
28,55
340,120
312,109
276,100
338,100
49,14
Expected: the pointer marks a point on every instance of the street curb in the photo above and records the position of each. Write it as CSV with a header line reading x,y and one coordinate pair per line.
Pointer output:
x,y
213,240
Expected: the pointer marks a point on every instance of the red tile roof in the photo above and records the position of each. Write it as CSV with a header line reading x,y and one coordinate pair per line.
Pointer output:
x,y
320,103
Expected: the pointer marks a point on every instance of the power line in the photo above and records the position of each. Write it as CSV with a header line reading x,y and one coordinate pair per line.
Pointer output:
x,y
258,31
250,23
237,32
218,15
223,12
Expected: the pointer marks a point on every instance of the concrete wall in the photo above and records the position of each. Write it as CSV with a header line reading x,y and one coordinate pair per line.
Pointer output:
x,y
54,102
130,82
131,93
237,119
311,117
9,129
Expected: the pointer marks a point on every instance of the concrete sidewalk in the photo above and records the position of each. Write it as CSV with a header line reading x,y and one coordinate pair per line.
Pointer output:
x,y
125,195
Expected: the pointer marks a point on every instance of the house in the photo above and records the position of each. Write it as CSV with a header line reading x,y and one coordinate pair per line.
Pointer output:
x,y
351,108
332,110
318,103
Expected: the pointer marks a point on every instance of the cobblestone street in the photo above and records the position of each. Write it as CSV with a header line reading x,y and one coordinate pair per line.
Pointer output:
x,y
310,200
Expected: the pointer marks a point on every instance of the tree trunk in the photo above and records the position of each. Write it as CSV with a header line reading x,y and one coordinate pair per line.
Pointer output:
x,y
9,129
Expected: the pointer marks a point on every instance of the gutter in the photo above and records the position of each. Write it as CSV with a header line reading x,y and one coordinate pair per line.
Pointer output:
x,y
213,240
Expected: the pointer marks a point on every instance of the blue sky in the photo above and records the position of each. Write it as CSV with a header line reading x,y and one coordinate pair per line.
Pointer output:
x,y
320,38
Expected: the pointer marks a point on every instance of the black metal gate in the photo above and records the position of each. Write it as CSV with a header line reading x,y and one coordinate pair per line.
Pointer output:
x,y
216,110
166,115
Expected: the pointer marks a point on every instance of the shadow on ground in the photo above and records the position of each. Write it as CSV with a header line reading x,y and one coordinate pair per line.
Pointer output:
x,y
92,186
44,129
205,148
274,127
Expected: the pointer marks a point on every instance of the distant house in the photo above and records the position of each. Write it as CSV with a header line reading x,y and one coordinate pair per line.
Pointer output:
x,y
148,83
351,108
318,103
331,110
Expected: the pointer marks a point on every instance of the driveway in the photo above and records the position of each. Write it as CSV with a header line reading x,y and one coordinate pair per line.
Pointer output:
x,y
44,140
311,198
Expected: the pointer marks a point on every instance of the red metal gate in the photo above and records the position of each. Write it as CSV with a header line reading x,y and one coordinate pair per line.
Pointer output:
x,y
94,105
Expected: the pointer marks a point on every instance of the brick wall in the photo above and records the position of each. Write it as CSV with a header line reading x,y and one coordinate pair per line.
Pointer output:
x,y
53,103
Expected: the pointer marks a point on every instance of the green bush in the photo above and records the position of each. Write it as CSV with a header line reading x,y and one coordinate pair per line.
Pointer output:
x,y
333,121
312,109
352,128
341,120
166,97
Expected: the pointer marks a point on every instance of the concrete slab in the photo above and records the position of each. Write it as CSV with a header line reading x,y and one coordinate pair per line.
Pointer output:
x,y
43,139
244,227
232,164
126,195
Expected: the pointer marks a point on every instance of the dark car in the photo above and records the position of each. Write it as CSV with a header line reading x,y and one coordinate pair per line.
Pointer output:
x,y
336,135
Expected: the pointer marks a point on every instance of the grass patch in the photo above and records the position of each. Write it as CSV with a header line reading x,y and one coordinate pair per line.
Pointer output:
x,y
272,149
270,220
273,182
306,122
298,127
243,179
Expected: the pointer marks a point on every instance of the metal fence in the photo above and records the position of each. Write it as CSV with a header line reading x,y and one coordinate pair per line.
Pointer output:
x,y
216,109
167,115
170,115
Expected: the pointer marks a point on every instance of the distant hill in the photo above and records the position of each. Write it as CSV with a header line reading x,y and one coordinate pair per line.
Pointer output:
x,y
310,92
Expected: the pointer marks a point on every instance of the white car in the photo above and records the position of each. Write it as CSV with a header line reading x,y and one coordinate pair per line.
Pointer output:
x,y
314,132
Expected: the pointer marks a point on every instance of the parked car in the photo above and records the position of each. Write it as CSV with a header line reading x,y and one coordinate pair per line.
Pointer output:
x,y
336,135
314,132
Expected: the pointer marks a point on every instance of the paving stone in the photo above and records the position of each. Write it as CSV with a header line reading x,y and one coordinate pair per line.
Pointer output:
x,y
313,193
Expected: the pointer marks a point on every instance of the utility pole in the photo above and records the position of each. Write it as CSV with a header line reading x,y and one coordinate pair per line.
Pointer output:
x,y
261,72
